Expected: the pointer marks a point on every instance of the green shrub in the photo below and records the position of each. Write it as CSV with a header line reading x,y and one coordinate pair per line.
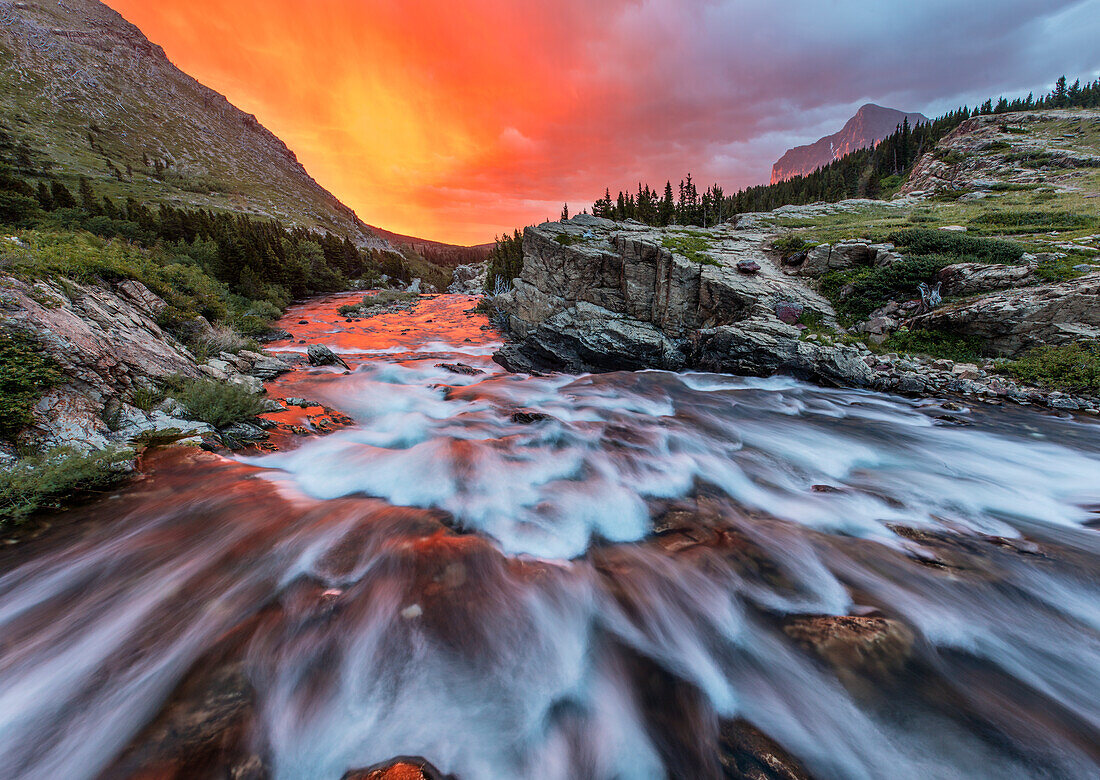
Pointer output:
x,y
936,343
26,372
790,244
217,403
17,210
50,480
870,288
926,241
1072,367
995,146
949,156
348,309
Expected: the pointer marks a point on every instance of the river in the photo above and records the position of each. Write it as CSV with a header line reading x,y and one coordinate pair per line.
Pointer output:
x,y
568,577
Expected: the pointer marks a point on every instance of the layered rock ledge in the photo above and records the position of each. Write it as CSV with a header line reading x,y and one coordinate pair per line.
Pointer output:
x,y
596,295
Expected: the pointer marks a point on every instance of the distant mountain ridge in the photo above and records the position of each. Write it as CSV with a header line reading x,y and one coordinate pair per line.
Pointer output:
x,y
86,86
870,125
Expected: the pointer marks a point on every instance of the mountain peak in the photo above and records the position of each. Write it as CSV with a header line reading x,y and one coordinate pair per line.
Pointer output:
x,y
870,125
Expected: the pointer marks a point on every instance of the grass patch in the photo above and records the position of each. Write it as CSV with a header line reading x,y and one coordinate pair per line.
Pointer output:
x,y
1059,269
217,403
692,245
1024,221
26,372
935,343
50,480
995,146
1071,367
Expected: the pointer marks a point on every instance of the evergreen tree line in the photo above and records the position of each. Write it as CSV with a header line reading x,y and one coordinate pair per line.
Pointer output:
x,y
865,173
261,260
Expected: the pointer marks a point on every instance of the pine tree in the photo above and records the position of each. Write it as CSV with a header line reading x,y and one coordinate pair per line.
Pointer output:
x,y
565,213
62,198
88,200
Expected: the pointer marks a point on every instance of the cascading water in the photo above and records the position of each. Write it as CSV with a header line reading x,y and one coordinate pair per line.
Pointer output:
x,y
567,577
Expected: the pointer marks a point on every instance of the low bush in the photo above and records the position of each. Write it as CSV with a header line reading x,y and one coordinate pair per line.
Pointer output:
x,y
50,480
927,241
790,244
935,343
216,403
1071,367
856,293
26,372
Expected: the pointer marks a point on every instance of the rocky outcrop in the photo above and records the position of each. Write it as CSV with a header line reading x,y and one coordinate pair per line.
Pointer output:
x,y
600,295
973,278
469,279
869,126
1013,321
840,256
1001,149
108,345
110,350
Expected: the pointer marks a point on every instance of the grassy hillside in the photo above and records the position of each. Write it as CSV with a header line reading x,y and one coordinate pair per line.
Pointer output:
x,y
85,86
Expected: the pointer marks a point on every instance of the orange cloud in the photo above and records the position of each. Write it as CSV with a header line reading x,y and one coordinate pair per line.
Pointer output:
x,y
386,104
461,119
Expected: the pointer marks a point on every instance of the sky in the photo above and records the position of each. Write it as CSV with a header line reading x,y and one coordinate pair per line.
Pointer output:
x,y
458,120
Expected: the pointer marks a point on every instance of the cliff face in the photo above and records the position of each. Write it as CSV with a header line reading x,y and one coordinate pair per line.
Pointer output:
x,y
600,295
81,83
870,124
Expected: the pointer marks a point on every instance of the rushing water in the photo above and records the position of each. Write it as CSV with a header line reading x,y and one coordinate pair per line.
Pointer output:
x,y
498,592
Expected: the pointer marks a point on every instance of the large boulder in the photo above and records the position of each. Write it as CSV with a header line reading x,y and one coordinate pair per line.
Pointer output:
x,y
972,278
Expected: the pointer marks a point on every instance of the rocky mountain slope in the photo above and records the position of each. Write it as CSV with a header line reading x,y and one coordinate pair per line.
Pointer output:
x,y
89,89
1000,218
870,124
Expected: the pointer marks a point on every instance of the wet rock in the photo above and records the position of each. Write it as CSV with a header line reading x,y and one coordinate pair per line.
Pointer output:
x,y
460,368
525,417
269,368
871,646
403,768
201,732
746,752
321,355
241,435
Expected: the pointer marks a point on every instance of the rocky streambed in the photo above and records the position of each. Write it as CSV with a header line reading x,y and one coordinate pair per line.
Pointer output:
x,y
629,574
